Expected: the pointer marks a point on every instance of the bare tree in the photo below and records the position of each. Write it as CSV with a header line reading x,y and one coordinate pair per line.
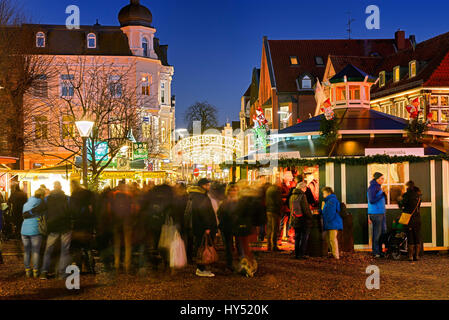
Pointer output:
x,y
204,112
88,88
20,67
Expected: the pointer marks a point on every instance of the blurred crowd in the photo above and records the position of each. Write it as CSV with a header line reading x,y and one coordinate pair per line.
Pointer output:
x,y
122,227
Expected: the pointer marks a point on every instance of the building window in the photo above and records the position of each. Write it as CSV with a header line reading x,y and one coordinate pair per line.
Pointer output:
x,y
40,40
91,41
41,127
115,87
382,79
145,47
399,109
162,92
68,127
319,61
268,115
306,83
284,116
294,60
341,93
163,132
117,131
146,130
396,175
439,109
40,86
412,69
67,88
146,81
366,97
396,74
354,92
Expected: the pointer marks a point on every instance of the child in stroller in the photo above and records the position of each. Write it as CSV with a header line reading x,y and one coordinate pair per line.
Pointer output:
x,y
396,240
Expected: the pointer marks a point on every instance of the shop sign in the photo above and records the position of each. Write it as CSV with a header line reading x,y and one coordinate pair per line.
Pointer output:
x,y
118,175
140,151
400,152
101,151
153,175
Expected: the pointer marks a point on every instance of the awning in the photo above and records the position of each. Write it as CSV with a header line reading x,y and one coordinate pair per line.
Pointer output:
x,y
8,160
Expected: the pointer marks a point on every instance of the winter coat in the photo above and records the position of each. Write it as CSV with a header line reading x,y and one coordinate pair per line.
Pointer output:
x,y
227,215
58,215
331,213
248,207
30,225
409,203
202,212
16,202
273,199
80,206
306,218
376,198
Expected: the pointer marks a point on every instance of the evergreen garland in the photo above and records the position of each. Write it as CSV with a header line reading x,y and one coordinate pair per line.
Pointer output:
x,y
329,131
415,130
382,159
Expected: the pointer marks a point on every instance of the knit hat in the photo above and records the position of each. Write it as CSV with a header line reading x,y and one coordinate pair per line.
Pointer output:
x,y
203,181
377,175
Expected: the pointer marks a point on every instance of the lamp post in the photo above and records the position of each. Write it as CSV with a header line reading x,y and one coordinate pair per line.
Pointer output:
x,y
84,128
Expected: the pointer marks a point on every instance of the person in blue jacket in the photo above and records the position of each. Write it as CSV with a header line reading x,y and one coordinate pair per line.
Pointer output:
x,y
332,221
31,236
376,212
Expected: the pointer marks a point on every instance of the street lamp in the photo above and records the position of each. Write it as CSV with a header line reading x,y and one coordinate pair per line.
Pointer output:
x,y
84,129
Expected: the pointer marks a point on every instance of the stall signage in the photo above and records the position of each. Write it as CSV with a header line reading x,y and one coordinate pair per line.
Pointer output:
x,y
400,152
279,155
153,175
118,175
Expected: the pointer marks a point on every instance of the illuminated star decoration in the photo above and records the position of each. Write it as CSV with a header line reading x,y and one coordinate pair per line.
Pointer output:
x,y
413,109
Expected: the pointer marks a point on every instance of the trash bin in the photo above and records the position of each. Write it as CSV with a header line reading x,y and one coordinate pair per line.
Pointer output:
x,y
317,246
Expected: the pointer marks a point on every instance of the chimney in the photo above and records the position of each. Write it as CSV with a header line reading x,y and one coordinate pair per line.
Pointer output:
x,y
413,41
399,37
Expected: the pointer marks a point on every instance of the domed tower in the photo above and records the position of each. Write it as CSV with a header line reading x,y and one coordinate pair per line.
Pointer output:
x,y
136,22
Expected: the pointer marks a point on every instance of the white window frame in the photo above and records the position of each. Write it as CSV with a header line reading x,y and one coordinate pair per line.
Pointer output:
x,y
396,78
411,75
382,79
387,178
40,35
91,36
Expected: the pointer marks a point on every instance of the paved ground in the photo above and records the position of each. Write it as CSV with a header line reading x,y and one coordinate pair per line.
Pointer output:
x,y
279,277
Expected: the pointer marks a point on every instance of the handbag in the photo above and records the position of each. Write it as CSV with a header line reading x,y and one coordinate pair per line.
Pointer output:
x,y
42,225
405,217
206,252
167,234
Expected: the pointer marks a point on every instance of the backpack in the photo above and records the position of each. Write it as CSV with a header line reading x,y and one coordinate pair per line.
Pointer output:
x,y
296,209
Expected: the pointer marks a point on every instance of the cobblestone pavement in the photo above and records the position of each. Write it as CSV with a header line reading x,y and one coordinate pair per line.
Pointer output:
x,y
278,277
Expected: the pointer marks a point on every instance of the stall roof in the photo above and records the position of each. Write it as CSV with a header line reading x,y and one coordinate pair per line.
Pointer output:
x,y
347,147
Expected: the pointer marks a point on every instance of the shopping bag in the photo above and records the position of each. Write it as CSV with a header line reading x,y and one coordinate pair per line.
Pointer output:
x,y
206,252
167,234
178,257
405,218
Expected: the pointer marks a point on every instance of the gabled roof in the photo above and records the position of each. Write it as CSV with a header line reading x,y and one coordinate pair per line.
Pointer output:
x,y
432,58
352,73
285,74
367,64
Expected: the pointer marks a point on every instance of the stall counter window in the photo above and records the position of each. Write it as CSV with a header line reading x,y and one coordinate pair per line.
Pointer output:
x,y
396,176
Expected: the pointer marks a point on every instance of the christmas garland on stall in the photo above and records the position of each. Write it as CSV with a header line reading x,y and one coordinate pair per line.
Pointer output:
x,y
382,159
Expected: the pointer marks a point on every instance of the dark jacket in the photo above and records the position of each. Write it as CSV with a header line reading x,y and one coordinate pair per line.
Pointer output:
x,y
81,210
409,204
306,219
273,199
16,201
227,215
248,208
202,212
58,215
331,213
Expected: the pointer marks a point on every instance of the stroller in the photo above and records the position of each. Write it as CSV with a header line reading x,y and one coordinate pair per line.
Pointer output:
x,y
396,241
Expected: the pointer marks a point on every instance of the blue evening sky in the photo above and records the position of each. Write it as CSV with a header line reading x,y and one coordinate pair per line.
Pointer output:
x,y
214,44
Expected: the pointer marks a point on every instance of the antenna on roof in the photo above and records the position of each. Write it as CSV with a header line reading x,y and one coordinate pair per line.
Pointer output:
x,y
350,21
